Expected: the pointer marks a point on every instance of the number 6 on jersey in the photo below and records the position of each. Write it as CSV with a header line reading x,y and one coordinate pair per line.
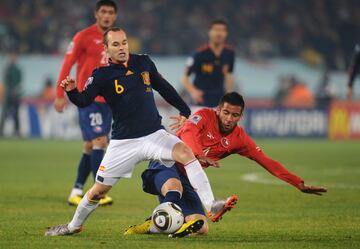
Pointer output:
x,y
118,88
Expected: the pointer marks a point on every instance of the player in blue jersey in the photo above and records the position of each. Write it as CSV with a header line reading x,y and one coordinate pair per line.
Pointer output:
x,y
137,134
212,64
354,70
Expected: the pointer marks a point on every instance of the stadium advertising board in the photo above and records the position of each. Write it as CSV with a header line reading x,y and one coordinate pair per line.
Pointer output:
x,y
276,122
344,120
340,121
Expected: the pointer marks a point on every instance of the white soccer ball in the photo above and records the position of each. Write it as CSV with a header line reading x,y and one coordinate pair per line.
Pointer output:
x,y
167,217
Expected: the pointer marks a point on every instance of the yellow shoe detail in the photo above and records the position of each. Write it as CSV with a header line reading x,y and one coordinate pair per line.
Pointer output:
x,y
107,200
74,200
190,227
143,228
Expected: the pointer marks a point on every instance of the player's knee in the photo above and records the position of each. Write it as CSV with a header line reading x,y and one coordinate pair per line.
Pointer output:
x,y
100,142
171,184
88,147
182,153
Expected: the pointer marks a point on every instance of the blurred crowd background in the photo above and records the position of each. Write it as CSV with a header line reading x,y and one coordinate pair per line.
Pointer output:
x,y
289,54
318,31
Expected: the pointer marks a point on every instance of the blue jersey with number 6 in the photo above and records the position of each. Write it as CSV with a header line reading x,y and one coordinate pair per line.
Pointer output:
x,y
128,90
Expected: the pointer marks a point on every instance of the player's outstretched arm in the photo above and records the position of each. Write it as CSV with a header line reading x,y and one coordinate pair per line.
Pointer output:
x,y
204,160
59,104
82,99
68,84
317,190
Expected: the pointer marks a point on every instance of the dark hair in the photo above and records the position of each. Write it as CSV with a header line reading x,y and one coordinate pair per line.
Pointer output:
x,y
218,21
114,29
233,98
106,3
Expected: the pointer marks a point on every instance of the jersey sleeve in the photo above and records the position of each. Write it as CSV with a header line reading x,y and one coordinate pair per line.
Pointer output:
x,y
191,64
232,61
191,132
354,66
71,56
253,152
91,90
167,91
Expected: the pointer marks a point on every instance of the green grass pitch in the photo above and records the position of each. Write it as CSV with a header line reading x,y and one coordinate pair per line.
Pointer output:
x,y
36,177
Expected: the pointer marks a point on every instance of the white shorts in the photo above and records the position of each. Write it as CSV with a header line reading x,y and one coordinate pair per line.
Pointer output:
x,y
122,155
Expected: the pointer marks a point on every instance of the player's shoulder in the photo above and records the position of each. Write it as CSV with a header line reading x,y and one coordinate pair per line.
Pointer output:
x,y
101,71
140,58
84,33
229,48
206,113
239,131
203,48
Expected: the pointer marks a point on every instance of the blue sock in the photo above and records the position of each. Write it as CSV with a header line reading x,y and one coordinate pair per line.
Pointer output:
x,y
96,157
83,171
172,196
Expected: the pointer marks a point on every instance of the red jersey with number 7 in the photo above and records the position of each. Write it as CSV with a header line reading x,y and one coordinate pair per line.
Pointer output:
x,y
201,133
86,50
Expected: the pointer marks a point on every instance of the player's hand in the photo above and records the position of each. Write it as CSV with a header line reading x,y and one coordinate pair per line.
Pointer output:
x,y
179,122
317,190
197,96
208,162
349,93
59,104
68,84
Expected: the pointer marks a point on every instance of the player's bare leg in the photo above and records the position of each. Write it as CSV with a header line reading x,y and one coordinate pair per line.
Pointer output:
x,y
87,205
205,227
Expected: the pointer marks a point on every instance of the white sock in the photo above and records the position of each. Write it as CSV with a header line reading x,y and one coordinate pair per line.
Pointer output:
x,y
200,183
83,210
76,191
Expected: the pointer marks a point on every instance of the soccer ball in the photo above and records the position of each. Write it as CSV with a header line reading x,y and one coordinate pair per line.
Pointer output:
x,y
167,217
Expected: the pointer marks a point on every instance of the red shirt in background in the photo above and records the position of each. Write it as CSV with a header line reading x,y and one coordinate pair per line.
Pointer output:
x,y
87,51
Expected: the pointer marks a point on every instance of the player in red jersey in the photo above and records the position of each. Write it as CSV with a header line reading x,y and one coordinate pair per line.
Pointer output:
x,y
87,51
212,135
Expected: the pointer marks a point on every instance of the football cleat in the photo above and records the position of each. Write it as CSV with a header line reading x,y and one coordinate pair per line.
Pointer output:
x,y
107,200
220,207
74,200
61,230
190,227
143,228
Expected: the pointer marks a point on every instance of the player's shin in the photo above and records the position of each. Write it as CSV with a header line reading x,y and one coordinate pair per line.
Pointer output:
x,y
83,210
96,157
84,169
173,196
200,182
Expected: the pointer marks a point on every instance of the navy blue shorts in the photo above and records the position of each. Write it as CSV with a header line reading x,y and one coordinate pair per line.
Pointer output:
x,y
95,120
156,175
